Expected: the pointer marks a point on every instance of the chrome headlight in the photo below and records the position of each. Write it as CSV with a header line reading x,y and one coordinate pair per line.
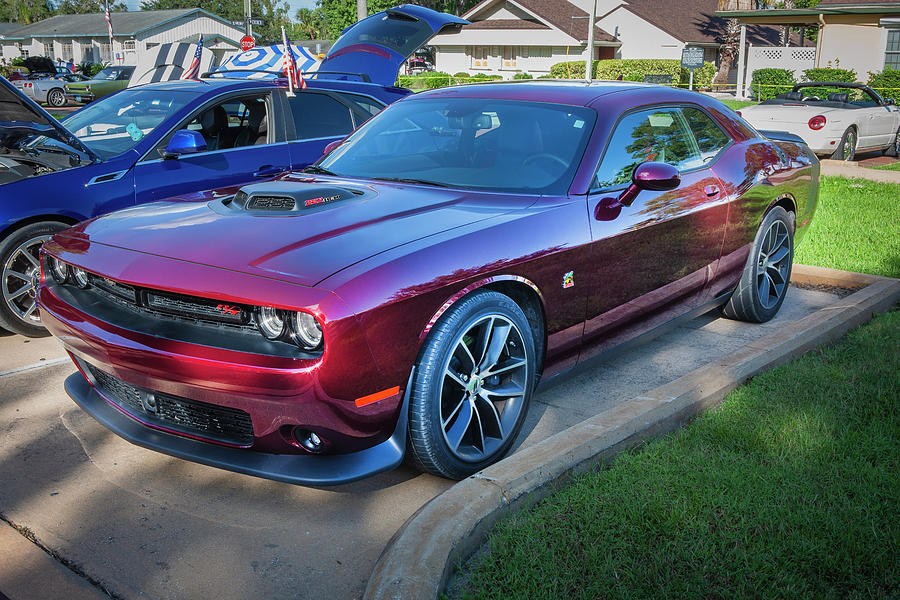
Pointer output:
x,y
306,330
270,322
80,277
58,269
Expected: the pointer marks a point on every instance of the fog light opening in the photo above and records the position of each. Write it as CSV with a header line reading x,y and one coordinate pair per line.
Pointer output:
x,y
309,440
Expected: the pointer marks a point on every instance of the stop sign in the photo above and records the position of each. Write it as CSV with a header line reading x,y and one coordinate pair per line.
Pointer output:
x,y
247,43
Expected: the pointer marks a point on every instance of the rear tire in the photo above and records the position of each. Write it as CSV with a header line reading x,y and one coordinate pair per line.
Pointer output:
x,y
473,382
56,97
846,149
764,283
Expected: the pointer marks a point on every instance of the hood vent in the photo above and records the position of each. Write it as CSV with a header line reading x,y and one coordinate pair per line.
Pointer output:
x,y
285,198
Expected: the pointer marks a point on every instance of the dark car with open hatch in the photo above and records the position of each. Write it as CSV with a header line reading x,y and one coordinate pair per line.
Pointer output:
x,y
405,295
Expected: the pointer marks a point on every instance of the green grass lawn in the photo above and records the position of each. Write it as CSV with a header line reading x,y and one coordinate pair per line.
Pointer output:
x,y
856,228
892,167
738,104
790,489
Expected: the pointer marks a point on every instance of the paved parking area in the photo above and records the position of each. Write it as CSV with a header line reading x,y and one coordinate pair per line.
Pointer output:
x,y
142,525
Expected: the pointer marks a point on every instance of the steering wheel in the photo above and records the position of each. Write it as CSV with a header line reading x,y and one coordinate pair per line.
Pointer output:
x,y
548,156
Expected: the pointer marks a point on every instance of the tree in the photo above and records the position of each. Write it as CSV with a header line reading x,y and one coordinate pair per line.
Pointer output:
x,y
273,12
728,50
25,11
83,7
310,23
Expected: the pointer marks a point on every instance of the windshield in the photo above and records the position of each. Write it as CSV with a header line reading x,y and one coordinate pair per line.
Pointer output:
x,y
115,124
497,145
112,73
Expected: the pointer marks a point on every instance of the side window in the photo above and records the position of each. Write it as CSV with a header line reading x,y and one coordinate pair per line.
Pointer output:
x,y
320,116
234,123
710,137
369,106
658,135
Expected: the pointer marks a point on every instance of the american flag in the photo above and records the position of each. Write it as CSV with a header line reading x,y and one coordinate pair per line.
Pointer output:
x,y
193,71
289,66
109,25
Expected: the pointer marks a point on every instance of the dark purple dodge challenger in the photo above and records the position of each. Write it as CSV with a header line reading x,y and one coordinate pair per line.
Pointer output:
x,y
405,295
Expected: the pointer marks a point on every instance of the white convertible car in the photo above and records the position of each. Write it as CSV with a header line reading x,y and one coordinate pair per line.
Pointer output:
x,y
851,118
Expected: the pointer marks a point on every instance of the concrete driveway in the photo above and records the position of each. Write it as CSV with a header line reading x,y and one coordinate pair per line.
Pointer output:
x,y
131,523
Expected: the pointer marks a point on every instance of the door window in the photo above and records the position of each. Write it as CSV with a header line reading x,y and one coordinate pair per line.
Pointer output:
x,y
320,116
235,123
709,136
659,135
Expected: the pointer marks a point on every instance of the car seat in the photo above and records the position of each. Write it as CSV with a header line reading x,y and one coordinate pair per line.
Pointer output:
x,y
254,132
842,98
213,123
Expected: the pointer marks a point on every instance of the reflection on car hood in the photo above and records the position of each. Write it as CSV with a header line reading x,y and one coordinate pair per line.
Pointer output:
x,y
304,246
21,117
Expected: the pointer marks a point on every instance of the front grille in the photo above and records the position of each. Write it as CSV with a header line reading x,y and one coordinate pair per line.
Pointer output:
x,y
209,421
270,203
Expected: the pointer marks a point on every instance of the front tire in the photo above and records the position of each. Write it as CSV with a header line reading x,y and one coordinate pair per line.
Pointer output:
x,y
846,149
56,97
764,283
474,379
21,272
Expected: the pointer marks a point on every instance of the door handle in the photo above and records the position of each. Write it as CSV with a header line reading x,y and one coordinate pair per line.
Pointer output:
x,y
270,171
711,191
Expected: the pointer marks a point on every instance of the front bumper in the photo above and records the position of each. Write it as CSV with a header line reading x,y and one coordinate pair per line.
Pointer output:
x,y
289,468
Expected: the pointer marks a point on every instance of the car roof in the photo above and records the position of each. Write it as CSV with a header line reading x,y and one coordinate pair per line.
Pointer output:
x,y
577,93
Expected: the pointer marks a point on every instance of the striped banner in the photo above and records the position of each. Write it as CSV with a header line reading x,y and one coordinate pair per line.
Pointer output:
x,y
268,58
168,62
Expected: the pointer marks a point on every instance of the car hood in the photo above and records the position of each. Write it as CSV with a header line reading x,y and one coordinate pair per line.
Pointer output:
x,y
22,117
378,45
331,223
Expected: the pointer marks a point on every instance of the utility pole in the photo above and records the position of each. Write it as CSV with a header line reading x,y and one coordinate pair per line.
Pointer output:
x,y
247,18
361,11
589,62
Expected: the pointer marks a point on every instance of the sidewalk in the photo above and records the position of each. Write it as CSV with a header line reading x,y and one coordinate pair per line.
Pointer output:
x,y
854,169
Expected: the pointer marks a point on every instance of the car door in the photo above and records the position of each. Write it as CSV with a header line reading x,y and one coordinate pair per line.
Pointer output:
x,y
244,146
652,260
319,117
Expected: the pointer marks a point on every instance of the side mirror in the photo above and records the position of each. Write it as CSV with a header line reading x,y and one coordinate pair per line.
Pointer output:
x,y
890,102
184,141
655,176
331,146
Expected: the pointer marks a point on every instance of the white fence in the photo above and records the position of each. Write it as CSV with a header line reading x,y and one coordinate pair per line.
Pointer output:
x,y
778,57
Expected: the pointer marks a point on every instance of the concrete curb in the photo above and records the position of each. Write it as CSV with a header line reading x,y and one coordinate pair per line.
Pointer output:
x,y
419,559
853,170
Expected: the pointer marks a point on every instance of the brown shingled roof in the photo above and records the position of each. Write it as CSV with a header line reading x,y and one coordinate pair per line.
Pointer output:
x,y
506,24
566,17
857,3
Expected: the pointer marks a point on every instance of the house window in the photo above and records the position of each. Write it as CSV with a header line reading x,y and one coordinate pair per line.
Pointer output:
x,y
22,51
67,52
129,45
48,49
105,52
892,50
480,57
509,57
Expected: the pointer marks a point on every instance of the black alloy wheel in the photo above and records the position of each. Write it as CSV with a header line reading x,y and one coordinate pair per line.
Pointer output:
x,y
56,97
846,149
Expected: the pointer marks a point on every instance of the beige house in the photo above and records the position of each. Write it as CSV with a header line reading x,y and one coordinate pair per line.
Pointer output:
x,y
863,35
86,37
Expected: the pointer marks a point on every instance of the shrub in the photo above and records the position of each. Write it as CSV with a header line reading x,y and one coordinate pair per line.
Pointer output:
x,y
886,83
826,74
570,70
635,69
548,76
762,88
522,76
702,77
486,77
461,74
90,69
436,79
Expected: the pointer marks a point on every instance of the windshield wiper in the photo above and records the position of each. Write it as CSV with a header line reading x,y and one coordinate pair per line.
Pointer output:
x,y
317,170
409,180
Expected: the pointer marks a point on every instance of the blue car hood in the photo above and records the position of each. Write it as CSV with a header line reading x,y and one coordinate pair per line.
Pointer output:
x,y
377,46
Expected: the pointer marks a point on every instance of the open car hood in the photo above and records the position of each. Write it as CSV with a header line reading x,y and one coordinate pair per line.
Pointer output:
x,y
21,117
378,45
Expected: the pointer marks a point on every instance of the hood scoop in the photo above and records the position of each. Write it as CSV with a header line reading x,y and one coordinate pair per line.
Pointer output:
x,y
284,198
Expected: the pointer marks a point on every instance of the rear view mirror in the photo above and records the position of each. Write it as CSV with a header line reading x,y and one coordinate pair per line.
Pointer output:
x,y
184,141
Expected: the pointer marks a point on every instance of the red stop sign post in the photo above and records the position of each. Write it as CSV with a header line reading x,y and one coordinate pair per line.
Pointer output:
x,y
247,43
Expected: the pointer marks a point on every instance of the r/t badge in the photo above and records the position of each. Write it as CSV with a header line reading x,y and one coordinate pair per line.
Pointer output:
x,y
569,280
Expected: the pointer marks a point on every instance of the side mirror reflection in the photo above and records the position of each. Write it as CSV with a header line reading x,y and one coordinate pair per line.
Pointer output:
x,y
655,176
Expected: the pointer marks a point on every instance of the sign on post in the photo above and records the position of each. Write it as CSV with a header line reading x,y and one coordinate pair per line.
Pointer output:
x,y
691,58
247,43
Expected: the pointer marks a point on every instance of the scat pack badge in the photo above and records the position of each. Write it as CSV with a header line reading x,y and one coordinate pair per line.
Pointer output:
x,y
569,280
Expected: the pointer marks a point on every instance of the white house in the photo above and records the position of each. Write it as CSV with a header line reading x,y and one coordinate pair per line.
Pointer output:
x,y
86,37
509,36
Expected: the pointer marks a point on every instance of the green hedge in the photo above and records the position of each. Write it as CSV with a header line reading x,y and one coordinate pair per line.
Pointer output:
x,y
886,83
438,79
768,83
826,74
522,76
635,69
